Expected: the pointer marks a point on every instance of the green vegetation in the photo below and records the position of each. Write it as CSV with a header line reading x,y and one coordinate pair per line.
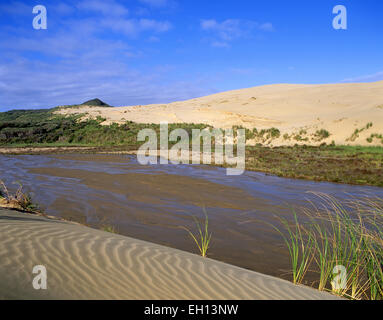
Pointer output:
x,y
44,128
96,102
92,103
202,239
342,244
321,135
373,136
109,229
341,164
355,134
298,137
264,135
300,248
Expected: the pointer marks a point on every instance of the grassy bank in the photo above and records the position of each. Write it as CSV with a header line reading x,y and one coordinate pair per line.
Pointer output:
x,y
35,128
44,128
341,164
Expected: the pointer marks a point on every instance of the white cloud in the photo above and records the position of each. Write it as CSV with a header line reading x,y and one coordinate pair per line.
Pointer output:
x,y
226,30
15,8
63,9
154,39
266,26
133,27
157,26
108,8
81,66
74,61
156,3
31,84
219,44
231,29
366,78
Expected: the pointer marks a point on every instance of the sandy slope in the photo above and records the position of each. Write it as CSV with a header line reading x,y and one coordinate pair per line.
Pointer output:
x,y
84,263
338,108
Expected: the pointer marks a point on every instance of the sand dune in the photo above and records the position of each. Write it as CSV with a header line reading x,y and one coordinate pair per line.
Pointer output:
x,y
293,109
84,263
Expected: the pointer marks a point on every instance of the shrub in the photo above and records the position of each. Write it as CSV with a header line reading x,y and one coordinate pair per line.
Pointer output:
x,y
321,134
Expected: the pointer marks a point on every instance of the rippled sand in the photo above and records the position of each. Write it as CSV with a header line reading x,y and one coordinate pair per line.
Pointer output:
x,y
84,263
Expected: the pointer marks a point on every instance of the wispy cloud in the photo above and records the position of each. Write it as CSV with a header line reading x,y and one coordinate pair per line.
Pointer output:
x,y
32,84
15,8
366,78
232,29
133,27
158,3
86,55
108,8
266,26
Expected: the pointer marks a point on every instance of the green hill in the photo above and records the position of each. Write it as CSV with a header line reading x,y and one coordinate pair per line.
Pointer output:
x,y
96,103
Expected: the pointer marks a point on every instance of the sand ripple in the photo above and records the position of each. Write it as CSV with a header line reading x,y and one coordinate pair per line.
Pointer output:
x,y
84,263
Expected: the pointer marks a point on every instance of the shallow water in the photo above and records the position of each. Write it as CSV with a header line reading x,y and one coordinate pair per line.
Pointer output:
x,y
153,203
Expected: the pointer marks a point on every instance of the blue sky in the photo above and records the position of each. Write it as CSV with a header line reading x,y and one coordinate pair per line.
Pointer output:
x,y
157,51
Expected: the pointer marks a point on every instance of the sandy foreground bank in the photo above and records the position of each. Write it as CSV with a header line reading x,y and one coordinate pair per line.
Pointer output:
x,y
84,263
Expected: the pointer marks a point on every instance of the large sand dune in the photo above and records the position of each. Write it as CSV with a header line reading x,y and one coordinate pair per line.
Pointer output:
x,y
84,263
293,109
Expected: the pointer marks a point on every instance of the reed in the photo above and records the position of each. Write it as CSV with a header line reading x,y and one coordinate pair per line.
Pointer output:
x,y
300,245
343,243
203,237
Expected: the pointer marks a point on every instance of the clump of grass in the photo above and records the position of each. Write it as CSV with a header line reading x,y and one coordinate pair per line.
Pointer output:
x,y
300,248
298,137
355,134
108,228
18,200
321,135
249,134
203,236
342,242
373,136
266,134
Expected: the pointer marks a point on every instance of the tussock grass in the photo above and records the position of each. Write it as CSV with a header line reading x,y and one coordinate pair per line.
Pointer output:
x,y
343,244
300,248
321,135
202,237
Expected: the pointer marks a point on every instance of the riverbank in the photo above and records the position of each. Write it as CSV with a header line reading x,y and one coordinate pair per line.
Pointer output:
x,y
340,164
84,263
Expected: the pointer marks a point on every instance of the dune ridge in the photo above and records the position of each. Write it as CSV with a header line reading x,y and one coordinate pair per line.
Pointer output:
x,y
294,109
84,263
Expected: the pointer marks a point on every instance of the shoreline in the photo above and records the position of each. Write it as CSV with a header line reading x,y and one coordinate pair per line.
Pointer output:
x,y
94,264
134,179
